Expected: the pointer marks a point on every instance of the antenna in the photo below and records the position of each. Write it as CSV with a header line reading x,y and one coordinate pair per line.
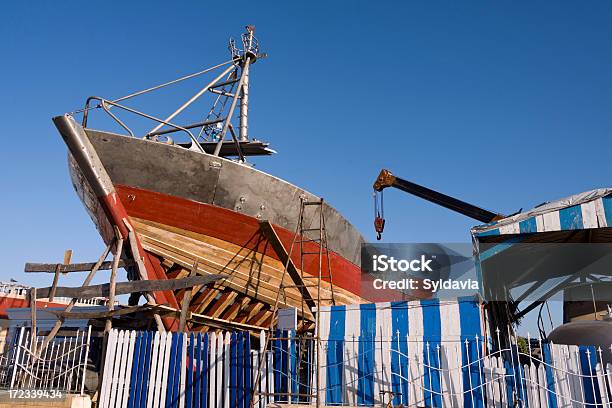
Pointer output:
x,y
250,48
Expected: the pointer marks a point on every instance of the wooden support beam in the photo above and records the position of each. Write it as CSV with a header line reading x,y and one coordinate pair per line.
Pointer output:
x,y
55,282
187,300
260,318
67,258
222,303
140,267
216,322
268,230
113,280
124,288
200,297
250,312
103,314
58,324
205,300
31,267
236,308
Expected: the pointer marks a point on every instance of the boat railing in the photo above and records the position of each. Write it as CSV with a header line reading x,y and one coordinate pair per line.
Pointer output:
x,y
22,291
104,104
232,74
12,289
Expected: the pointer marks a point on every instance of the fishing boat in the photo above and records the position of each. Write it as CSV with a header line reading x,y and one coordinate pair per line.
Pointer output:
x,y
197,205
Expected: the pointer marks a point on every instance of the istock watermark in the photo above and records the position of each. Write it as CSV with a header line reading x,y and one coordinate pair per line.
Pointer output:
x,y
425,270
494,271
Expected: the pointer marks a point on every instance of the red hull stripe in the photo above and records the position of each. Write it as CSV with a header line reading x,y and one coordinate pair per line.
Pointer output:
x,y
117,213
233,227
7,302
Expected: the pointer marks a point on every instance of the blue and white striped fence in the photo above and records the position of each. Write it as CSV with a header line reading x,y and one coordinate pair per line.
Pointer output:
x,y
418,354
152,370
366,371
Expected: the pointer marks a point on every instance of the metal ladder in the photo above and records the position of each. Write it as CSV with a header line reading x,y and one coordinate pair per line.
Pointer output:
x,y
315,233
320,238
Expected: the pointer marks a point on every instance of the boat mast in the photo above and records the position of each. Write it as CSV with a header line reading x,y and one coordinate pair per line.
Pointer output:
x,y
248,42
231,88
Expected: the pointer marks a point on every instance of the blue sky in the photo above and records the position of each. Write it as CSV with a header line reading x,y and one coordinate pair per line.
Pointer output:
x,y
503,104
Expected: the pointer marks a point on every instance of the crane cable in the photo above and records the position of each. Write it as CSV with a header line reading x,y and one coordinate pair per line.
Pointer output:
x,y
379,214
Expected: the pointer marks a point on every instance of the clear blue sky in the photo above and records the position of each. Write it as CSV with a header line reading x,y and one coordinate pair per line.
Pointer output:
x,y
504,104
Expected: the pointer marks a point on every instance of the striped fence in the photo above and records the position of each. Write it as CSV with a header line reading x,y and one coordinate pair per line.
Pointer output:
x,y
152,369
417,354
373,371
60,366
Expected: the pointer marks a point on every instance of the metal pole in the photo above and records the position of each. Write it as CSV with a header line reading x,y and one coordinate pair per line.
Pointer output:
x,y
85,360
245,68
193,98
244,105
174,81
33,317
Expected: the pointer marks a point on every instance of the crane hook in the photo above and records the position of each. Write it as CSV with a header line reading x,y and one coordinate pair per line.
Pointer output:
x,y
379,216
379,226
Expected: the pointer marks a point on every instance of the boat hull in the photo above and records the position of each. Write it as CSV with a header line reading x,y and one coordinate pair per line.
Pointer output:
x,y
188,208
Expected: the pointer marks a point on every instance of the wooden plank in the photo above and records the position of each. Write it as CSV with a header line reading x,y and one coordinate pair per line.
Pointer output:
x,y
155,354
31,267
104,313
222,303
250,312
58,323
213,322
123,288
198,397
140,267
215,248
260,318
277,245
67,258
226,368
249,269
128,370
206,300
212,369
202,297
187,300
158,396
240,281
254,282
218,358
236,308
114,370
55,282
109,359
183,370
161,401
112,286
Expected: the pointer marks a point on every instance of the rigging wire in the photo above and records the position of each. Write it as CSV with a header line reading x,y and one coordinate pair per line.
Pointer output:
x,y
156,87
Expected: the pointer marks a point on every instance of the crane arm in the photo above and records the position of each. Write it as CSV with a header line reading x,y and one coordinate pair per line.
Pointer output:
x,y
387,179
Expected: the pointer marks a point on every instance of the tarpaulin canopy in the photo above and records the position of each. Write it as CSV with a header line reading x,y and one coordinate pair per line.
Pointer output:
x,y
591,209
539,253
